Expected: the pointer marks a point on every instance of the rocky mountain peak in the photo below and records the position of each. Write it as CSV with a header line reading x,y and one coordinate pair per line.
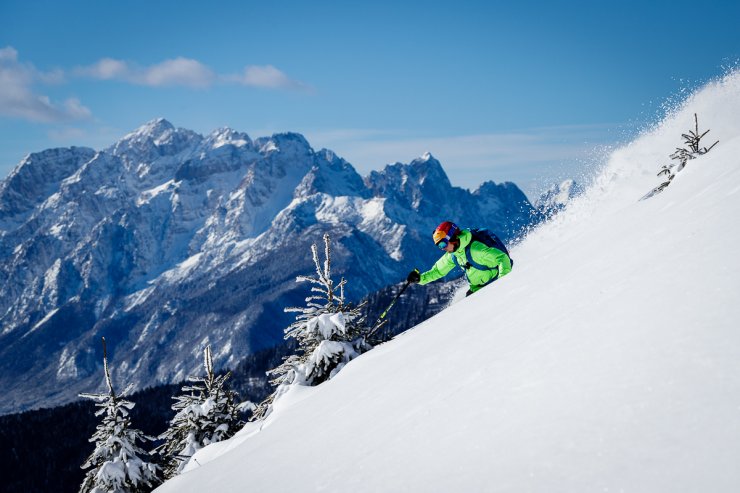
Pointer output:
x,y
155,129
157,133
228,136
427,167
289,143
332,175
558,196
422,180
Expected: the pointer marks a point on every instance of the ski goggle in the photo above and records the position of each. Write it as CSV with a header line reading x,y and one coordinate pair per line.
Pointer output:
x,y
442,244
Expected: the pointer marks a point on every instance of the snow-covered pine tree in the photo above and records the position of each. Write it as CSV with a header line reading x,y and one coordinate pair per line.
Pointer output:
x,y
330,333
117,464
682,156
207,412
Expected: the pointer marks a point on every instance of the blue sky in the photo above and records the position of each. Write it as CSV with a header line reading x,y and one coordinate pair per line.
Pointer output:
x,y
521,91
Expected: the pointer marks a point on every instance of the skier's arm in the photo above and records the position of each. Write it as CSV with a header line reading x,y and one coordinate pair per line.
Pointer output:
x,y
440,269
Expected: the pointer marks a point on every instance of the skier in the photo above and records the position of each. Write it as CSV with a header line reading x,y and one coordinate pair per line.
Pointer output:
x,y
483,257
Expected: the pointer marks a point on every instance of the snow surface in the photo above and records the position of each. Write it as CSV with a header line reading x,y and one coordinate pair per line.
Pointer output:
x,y
608,360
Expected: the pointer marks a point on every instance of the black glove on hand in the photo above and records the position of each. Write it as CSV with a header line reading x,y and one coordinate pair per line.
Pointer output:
x,y
413,277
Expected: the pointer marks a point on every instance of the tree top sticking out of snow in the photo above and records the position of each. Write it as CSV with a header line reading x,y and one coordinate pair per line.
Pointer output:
x,y
115,462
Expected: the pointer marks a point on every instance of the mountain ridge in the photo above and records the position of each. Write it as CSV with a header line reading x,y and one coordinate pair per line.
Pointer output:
x,y
168,240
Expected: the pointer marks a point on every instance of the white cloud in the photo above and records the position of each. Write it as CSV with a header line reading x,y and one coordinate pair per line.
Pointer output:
x,y
175,72
8,54
19,100
76,110
54,77
180,72
188,73
268,77
105,69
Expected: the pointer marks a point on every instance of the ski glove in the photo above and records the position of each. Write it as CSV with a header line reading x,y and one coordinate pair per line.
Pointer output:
x,y
413,277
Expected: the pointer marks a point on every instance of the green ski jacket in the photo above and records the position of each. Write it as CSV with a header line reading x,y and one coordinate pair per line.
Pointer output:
x,y
482,254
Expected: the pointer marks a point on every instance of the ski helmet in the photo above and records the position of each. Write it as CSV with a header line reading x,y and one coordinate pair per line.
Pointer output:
x,y
445,233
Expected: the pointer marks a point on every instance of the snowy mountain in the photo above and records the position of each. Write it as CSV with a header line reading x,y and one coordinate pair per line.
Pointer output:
x,y
608,360
557,197
169,240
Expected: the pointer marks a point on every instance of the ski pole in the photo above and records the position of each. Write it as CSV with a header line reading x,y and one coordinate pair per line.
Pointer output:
x,y
382,315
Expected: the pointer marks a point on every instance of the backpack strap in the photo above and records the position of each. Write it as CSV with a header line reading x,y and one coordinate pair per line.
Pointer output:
x,y
457,264
472,263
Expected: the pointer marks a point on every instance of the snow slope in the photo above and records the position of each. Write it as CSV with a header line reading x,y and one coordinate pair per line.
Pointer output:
x,y
609,360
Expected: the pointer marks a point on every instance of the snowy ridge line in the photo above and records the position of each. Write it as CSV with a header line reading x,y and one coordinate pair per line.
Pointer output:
x,y
172,240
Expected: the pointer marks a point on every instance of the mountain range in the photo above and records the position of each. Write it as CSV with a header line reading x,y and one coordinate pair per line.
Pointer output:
x,y
169,240
555,198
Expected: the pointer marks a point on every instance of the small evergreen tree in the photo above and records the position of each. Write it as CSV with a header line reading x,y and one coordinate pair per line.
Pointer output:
x,y
206,412
329,331
682,156
116,462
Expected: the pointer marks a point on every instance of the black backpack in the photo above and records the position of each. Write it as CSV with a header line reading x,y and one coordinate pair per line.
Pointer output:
x,y
489,239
